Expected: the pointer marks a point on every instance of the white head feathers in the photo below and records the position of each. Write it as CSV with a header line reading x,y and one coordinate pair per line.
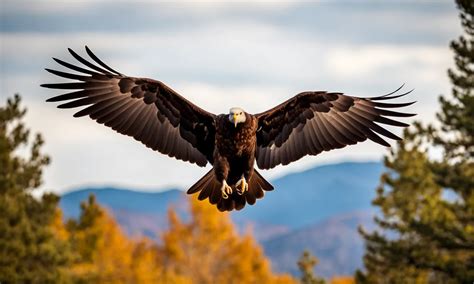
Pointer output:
x,y
236,115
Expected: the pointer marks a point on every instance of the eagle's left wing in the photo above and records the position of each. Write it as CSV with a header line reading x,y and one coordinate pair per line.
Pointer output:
x,y
146,109
312,122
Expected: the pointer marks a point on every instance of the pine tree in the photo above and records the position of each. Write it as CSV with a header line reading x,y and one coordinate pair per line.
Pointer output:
x,y
306,264
429,237
29,253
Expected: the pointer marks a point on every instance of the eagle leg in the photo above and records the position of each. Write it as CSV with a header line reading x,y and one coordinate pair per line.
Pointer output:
x,y
226,190
242,186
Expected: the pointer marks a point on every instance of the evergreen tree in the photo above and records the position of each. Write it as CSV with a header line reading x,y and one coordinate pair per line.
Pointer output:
x,y
428,235
29,253
306,264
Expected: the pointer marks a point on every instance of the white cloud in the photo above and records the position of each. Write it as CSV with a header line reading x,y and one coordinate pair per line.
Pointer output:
x,y
251,55
44,6
203,7
362,61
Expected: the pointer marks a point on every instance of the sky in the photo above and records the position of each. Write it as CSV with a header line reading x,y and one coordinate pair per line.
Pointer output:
x,y
218,55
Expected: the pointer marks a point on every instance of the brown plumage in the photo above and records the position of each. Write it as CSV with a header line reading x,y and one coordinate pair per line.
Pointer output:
x,y
163,120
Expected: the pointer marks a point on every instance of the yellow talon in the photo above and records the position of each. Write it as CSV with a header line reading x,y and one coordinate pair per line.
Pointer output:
x,y
226,190
244,186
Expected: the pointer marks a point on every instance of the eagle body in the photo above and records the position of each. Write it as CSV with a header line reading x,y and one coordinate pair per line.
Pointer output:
x,y
234,153
157,116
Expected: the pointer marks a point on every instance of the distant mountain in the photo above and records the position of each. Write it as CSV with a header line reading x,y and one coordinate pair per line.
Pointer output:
x,y
122,200
318,209
335,241
139,213
308,197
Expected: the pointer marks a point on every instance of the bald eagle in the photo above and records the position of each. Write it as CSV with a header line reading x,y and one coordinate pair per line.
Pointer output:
x,y
154,114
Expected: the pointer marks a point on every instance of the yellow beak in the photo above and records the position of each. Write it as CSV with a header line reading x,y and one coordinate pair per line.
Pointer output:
x,y
234,118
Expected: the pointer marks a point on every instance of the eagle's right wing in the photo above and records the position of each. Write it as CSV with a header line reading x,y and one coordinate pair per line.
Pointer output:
x,y
312,122
145,109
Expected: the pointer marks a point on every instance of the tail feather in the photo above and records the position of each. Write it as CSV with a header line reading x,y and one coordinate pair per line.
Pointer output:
x,y
215,195
204,180
209,187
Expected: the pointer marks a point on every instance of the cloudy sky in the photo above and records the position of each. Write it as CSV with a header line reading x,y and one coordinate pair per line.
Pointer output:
x,y
252,54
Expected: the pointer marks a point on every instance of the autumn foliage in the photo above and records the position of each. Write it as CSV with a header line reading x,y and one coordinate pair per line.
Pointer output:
x,y
205,249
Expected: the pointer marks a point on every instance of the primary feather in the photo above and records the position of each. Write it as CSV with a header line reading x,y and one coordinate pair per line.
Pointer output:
x,y
313,122
145,109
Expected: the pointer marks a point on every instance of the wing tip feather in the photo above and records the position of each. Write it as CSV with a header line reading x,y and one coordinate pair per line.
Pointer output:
x,y
389,95
49,86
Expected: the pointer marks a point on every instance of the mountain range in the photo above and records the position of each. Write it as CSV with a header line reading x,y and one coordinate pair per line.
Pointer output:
x,y
318,209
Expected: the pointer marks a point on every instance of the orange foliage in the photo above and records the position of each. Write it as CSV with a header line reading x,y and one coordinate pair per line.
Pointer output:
x,y
57,226
342,280
102,251
206,249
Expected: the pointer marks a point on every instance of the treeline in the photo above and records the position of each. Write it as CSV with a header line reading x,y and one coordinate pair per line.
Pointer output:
x,y
205,249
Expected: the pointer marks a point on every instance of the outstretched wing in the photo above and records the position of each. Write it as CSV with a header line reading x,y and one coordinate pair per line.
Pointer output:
x,y
145,109
312,122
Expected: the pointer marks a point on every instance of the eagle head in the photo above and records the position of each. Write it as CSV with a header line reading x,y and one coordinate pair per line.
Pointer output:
x,y
236,115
